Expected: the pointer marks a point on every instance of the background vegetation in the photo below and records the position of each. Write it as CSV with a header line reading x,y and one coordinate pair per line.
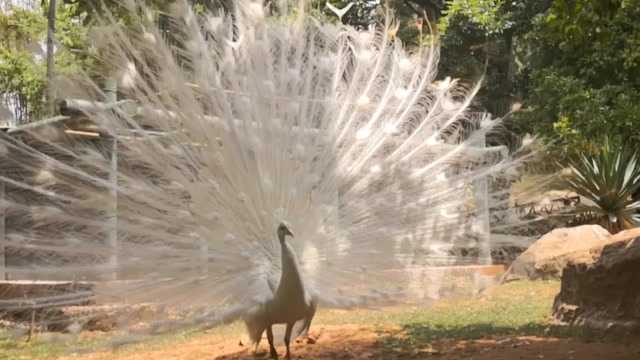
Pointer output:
x,y
574,65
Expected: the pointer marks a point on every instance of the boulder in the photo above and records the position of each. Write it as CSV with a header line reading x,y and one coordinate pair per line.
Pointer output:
x,y
605,294
548,256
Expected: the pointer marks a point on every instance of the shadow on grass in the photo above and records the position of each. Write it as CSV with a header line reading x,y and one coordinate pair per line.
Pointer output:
x,y
419,335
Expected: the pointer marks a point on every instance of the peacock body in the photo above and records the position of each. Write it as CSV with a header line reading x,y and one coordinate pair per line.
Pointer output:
x,y
240,122
290,302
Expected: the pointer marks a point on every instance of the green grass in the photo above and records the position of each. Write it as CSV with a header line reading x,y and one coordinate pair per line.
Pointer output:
x,y
45,346
515,309
511,307
35,349
518,308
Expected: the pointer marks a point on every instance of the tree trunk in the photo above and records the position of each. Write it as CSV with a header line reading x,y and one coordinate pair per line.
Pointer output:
x,y
51,30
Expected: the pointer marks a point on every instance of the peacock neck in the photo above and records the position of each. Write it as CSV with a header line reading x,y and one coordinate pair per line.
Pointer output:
x,y
290,279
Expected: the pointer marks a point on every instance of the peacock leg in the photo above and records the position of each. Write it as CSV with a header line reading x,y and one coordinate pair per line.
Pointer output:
x,y
287,339
255,350
272,349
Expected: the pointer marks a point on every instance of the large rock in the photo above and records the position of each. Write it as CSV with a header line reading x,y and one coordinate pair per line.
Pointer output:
x,y
604,294
548,256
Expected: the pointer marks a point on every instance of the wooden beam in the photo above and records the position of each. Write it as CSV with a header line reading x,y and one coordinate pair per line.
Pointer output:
x,y
82,106
90,134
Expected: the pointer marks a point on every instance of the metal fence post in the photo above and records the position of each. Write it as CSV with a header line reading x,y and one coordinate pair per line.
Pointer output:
x,y
110,93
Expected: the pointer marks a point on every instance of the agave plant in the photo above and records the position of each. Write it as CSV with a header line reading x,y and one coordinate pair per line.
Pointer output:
x,y
609,179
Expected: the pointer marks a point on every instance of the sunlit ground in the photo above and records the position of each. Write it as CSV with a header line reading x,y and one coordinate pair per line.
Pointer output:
x,y
507,322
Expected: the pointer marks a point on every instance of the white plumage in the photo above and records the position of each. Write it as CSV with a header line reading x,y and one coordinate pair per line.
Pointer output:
x,y
340,13
288,303
341,133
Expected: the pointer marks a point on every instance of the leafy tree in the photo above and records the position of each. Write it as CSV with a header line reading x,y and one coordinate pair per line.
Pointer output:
x,y
585,73
22,56
486,38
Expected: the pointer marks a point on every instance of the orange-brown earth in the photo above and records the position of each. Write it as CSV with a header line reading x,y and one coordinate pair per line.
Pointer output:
x,y
364,342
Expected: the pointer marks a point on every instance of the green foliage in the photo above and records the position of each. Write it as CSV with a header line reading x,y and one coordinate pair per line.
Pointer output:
x,y
584,73
574,64
479,45
21,76
609,179
22,55
21,26
361,15
486,14
118,9
596,41
574,114
22,80
72,40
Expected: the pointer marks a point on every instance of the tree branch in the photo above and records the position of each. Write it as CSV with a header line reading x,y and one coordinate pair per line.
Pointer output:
x,y
410,6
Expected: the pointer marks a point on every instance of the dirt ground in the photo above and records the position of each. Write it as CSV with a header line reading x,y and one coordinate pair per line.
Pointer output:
x,y
507,322
363,342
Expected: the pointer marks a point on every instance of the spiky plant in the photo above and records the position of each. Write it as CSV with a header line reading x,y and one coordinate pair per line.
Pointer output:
x,y
609,180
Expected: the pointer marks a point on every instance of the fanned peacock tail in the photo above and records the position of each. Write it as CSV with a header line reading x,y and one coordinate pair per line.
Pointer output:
x,y
232,125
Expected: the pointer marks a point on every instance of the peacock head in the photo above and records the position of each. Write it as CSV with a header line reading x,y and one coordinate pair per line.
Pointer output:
x,y
283,231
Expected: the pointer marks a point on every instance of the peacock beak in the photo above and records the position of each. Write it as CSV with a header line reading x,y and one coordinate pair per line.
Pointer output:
x,y
287,232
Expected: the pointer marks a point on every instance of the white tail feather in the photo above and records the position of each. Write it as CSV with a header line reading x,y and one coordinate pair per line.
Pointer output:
x,y
240,123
